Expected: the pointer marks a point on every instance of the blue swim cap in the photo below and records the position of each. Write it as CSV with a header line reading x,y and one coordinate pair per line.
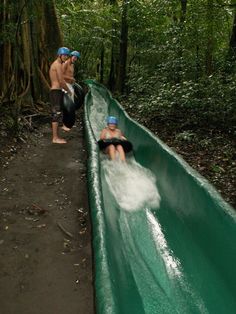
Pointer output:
x,y
112,120
63,51
75,53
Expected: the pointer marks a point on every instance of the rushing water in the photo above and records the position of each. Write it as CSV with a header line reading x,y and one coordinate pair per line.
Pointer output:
x,y
133,186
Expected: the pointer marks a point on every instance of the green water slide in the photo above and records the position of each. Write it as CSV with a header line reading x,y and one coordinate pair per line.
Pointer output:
x,y
173,256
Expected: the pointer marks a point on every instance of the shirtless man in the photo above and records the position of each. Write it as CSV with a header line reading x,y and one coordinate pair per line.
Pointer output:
x,y
68,70
56,93
112,132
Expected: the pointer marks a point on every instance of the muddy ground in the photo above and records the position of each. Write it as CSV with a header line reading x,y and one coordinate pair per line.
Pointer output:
x,y
45,232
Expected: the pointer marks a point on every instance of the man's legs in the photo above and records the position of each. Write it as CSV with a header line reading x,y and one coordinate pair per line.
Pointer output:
x,y
111,151
65,128
55,138
56,100
121,152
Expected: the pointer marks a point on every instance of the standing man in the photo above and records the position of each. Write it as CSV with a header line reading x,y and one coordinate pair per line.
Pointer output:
x,y
56,94
68,70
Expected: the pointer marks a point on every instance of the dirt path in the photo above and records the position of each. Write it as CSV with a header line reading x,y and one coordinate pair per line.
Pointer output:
x,y
45,242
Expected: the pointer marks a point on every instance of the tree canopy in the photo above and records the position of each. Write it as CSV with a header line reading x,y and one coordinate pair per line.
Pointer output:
x,y
177,54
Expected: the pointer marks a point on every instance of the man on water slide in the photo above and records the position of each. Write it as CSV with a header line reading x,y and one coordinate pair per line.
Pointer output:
x,y
112,140
56,94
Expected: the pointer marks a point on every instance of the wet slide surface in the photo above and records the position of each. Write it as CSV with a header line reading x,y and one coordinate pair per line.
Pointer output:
x,y
163,238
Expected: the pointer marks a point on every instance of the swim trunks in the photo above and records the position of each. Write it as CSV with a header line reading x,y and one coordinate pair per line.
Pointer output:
x,y
56,98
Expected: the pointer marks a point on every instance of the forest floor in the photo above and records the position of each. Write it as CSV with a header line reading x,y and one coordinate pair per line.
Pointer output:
x,y
45,232
208,149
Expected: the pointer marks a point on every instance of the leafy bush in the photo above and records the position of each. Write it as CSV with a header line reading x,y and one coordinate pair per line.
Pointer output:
x,y
208,101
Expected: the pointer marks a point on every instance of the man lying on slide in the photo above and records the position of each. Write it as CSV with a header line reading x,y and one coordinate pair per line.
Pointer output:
x,y
112,140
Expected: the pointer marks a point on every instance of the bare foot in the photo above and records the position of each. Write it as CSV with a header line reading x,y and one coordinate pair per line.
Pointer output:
x,y
64,128
59,141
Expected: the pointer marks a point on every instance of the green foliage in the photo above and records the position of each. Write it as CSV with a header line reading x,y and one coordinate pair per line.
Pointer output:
x,y
89,27
177,60
172,57
208,101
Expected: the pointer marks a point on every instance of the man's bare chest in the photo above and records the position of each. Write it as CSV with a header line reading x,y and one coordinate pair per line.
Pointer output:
x,y
70,70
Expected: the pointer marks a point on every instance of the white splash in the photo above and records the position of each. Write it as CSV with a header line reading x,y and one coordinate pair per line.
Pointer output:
x,y
133,186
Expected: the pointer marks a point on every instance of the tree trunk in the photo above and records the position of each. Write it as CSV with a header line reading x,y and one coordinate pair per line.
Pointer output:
x,y
183,10
5,49
102,64
27,52
113,63
123,48
232,43
111,80
210,40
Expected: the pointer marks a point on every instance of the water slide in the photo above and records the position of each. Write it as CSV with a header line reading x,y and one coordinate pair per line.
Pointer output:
x,y
164,240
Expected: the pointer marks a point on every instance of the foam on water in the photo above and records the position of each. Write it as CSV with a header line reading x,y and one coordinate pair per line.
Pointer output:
x,y
133,186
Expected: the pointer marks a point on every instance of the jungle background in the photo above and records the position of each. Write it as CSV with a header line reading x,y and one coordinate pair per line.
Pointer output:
x,y
171,64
